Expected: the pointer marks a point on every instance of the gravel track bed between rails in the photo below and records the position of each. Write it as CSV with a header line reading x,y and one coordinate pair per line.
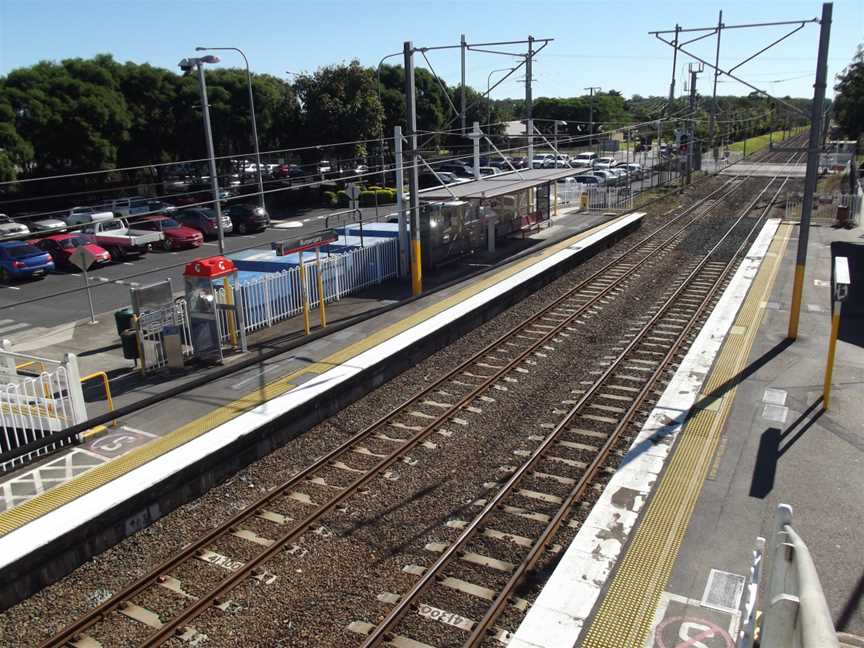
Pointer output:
x,y
330,584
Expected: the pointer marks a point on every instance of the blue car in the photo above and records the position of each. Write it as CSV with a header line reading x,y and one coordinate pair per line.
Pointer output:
x,y
20,260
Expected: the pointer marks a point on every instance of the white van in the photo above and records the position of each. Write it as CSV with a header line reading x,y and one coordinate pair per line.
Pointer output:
x,y
584,160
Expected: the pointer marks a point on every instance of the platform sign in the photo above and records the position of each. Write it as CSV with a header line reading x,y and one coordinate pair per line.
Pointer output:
x,y
304,243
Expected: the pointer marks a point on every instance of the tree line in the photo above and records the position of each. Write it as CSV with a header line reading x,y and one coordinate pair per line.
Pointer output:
x,y
91,114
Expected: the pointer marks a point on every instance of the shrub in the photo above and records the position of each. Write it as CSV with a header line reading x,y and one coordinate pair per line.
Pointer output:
x,y
342,199
330,199
367,198
385,196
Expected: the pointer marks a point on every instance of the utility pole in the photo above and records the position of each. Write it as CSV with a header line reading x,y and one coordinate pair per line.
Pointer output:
x,y
208,136
713,124
674,64
400,203
462,47
691,139
529,101
813,149
413,175
591,90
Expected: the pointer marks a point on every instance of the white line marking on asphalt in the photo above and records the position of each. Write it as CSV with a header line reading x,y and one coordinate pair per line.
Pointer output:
x,y
14,327
266,369
213,244
289,225
126,263
137,431
135,283
11,287
74,274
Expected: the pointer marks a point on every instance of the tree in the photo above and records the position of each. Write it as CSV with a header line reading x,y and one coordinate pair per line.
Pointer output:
x,y
849,102
72,112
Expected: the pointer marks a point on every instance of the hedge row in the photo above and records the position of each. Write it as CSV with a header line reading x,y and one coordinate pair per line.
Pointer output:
x,y
367,198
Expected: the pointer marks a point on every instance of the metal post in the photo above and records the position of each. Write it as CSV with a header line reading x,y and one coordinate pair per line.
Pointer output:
x,y
400,202
305,293
476,141
832,348
555,127
529,101
414,176
463,48
208,136
591,90
690,129
674,64
812,167
713,123
89,294
321,311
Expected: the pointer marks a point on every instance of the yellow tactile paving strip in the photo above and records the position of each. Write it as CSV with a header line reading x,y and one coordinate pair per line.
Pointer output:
x,y
101,475
626,613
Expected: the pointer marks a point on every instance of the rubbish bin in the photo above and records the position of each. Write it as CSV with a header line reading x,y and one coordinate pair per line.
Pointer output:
x,y
129,340
123,319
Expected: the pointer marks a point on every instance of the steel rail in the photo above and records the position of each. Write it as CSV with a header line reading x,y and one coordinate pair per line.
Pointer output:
x,y
98,614
405,603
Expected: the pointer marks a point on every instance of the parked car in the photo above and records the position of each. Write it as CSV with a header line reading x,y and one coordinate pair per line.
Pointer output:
x,y
62,246
519,162
633,169
48,225
428,180
20,260
543,161
604,163
502,163
200,192
489,171
85,215
203,219
159,206
606,177
324,166
175,235
562,161
9,227
246,217
120,239
589,180
457,169
288,171
125,207
584,160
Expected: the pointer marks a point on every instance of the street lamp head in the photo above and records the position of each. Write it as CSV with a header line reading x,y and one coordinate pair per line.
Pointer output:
x,y
210,58
200,49
187,65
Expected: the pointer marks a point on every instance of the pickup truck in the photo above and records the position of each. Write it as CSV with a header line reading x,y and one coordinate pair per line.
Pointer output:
x,y
121,241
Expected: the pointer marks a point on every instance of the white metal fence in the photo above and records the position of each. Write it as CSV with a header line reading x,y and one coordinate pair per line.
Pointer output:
x,y
828,209
37,397
277,296
152,326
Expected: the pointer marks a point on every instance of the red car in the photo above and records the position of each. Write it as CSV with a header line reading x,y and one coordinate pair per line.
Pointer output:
x,y
176,235
61,247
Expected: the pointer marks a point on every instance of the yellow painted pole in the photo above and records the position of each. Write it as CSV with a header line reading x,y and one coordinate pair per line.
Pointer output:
x,y
305,294
797,291
832,348
321,308
107,385
416,267
232,321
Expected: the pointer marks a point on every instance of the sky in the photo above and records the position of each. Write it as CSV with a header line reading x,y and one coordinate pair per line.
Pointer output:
x,y
596,43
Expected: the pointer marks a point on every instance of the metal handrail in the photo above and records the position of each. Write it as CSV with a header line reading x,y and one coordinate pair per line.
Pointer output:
x,y
107,385
816,629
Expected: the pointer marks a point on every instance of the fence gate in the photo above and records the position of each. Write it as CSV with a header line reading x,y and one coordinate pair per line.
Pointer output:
x,y
154,325
598,199
38,397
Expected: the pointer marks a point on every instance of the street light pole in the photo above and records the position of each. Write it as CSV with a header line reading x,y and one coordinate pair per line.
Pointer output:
x,y
186,65
251,108
591,89
488,92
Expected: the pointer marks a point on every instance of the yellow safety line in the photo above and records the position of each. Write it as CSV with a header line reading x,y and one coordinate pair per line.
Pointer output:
x,y
625,615
101,475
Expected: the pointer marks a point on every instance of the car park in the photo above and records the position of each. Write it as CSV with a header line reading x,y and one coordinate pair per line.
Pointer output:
x,y
20,260
125,207
175,235
604,162
246,217
120,239
62,246
10,228
589,180
584,160
204,220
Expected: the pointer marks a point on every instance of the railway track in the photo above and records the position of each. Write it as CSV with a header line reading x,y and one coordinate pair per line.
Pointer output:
x,y
288,512
484,565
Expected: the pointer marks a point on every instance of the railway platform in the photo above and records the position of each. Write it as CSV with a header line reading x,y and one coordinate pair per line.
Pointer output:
x,y
76,504
665,557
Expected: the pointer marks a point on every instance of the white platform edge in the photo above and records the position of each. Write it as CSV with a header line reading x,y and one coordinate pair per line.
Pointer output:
x,y
42,530
558,615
